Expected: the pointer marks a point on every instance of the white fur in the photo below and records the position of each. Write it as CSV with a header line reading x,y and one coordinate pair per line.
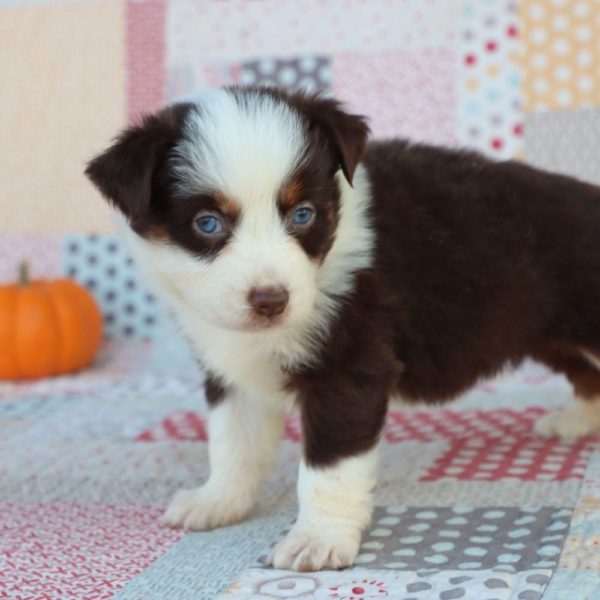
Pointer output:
x,y
591,358
581,417
244,435
243,150
335,507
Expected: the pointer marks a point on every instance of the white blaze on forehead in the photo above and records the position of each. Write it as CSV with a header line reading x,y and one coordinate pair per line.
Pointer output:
x,y
244,147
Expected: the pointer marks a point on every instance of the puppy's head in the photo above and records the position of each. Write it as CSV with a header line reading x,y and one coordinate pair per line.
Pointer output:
x,y
236,199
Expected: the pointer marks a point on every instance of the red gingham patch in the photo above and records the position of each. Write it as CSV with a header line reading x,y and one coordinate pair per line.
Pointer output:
x,y
72,550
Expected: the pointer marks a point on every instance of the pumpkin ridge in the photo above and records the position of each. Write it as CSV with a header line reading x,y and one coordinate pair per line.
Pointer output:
x,y
72,323
36,333
60,337
15,332
55,369
92,318
8,329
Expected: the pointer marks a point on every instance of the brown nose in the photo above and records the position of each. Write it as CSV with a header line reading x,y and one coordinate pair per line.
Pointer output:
x,y
268,301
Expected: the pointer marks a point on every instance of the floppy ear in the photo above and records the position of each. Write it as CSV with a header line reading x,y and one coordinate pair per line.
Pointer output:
x,y
123,173
346,132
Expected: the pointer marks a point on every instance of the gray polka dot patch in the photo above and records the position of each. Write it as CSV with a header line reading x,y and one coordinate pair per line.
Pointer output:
x,y
309,73
102,265
502,538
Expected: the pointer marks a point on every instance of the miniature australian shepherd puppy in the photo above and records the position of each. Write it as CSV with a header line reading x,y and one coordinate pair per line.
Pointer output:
x,y
309,268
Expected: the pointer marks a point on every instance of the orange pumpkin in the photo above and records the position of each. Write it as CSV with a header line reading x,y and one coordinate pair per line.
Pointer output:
x,y
46,328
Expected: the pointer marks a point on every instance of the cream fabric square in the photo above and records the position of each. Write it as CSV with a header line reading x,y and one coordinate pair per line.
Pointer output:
x,y
63,98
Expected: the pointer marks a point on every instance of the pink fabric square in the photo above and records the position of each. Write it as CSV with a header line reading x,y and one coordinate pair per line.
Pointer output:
x,y
43,255
404,93
145,56
72,550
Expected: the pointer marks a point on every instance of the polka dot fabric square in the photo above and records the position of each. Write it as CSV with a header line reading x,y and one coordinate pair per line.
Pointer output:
x,y
561,55
528,458
490,112
102,265
453,424
491,445
219,31
309,73
464,537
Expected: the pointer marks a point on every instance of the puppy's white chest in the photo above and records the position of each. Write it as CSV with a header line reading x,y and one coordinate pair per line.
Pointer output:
x,y
244,361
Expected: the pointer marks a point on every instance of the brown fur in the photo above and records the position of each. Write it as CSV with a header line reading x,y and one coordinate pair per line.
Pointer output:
x,y
479,265
227,206
214,389
291,194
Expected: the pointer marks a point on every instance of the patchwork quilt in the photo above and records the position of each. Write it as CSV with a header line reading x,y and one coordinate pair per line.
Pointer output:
x,y
470,504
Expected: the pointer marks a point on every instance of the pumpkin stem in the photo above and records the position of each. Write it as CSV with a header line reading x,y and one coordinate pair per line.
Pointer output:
x,y
23,273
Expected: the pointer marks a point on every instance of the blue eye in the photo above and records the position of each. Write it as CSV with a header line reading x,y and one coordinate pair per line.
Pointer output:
x,y
209,225
303,215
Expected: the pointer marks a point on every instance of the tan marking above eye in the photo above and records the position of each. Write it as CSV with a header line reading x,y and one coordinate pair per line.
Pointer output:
x,y
228,206
291,194
157,232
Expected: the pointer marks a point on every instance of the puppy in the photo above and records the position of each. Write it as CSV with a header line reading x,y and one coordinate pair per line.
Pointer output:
x,y
309,269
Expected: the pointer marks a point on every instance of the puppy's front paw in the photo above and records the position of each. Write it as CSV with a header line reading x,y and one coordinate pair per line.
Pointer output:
x,y
312,551
568,423
200,509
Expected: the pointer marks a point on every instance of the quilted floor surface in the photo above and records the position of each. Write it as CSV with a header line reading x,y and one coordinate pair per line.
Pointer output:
x,y
471,504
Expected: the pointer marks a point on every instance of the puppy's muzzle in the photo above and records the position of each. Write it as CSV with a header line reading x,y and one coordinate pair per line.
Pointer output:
x,y
268,301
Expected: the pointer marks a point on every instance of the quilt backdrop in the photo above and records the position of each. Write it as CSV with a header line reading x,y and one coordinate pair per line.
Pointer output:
x,y
471,504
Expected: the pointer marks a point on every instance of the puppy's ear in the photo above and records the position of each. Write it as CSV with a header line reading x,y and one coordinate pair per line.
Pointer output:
x,y
346,132
123,173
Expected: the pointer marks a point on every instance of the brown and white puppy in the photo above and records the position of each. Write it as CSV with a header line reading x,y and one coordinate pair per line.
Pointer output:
x,y
307,268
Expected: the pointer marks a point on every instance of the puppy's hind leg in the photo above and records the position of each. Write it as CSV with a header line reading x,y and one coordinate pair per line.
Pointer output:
x,y
582,417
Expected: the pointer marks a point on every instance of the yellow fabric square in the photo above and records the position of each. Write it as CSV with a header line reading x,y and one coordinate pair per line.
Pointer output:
x,y
561,54
62,71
